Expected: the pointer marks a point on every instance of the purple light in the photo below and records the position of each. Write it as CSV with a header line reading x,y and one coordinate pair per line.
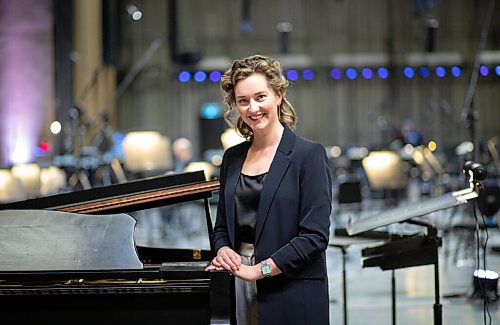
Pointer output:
x,y
367,73
308,74
409,72
424,72
215,76
26,82
456,71
484,70
351,73
184,76
336,74
292,75
383,73
440,72
200,76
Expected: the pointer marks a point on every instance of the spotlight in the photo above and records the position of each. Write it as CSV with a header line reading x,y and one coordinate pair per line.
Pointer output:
x,y
184,76
440,71
215,76
497,70
409,72
308,74
135,13
456,71
367,73
336,74
200,76
484,70
292,75
351,73
383,73
55,127
424,72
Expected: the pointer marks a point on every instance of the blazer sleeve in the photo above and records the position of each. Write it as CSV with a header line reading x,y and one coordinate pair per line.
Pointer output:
x,y
221,234
315,201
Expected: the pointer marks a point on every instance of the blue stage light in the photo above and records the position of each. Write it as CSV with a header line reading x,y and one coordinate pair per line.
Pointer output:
x,y
440,71
383,73
367,73
351,73
484,70
184,76
336,74
497,70
308,74
211,111
409,72
292,75
200,76
424,72
215,76
456,71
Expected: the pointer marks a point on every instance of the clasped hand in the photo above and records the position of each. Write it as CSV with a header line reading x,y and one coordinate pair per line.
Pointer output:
x,y
227,259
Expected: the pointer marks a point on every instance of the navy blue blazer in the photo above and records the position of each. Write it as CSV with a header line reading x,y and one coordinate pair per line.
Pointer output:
x,y
292,227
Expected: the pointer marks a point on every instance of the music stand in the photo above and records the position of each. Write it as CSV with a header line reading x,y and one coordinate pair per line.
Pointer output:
x,y
474,172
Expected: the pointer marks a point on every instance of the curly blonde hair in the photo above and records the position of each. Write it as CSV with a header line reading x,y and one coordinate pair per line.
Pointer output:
x,y
242,69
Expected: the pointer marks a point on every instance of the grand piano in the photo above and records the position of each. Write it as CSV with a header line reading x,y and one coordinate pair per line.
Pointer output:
x,y
72,258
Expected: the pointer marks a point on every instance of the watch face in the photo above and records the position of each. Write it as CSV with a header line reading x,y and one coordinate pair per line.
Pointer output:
x,y
266,269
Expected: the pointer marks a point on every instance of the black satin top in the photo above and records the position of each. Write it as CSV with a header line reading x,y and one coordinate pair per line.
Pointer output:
x,y
247,203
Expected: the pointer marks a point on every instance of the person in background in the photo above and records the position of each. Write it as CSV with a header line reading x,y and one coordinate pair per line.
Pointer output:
x,y
183,154
273,215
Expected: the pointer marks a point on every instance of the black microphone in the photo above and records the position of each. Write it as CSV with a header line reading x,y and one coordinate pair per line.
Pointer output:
x,y
478,171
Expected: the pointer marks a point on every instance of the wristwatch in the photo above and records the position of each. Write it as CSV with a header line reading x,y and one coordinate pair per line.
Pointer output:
x,y
265,268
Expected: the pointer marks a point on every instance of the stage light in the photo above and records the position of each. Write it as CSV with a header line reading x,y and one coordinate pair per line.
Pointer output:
x,y
424,72
292,75
11,188
351,73
456,71
335,151
184,76
211,111
432,145
135,13
336,74
409,72
383,73
384,170
367,73
484,70
497,70
308,74
146,151
440,71
200,76
215,76
55,127
29,175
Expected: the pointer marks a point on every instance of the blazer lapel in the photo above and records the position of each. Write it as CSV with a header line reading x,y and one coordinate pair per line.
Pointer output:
x,y
276,172
233,173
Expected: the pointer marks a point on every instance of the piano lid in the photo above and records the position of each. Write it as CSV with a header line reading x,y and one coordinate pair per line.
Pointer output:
x,y
44,240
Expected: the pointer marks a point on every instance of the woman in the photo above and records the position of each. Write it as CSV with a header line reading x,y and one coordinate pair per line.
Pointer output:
x,y
273,217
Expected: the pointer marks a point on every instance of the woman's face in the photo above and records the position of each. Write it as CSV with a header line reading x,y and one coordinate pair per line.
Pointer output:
x,y
257,103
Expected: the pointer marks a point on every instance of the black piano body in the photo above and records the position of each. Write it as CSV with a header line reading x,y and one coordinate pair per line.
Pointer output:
x,y
90,284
